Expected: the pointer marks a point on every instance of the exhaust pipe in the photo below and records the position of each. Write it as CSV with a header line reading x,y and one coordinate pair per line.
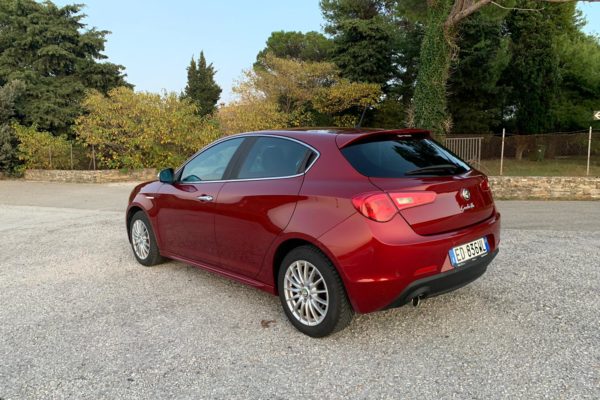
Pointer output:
x,y
416,301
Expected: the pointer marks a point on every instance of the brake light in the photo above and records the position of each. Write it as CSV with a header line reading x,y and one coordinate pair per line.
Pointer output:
x,y
382,207
378,207
485,185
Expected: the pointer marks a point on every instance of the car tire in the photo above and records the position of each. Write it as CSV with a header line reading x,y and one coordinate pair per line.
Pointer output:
x,y
312,293
143,241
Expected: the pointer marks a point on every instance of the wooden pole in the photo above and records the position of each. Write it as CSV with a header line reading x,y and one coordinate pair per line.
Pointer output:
x,y
71,156
502,151
589,152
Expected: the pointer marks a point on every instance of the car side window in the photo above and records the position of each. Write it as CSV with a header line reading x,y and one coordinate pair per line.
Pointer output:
x,y
210,165
272,157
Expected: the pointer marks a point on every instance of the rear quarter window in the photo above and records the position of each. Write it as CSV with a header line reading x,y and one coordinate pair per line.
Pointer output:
x,y
273,157
399,156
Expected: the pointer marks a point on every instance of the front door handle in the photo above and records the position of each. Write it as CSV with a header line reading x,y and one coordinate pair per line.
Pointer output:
x,y
205,197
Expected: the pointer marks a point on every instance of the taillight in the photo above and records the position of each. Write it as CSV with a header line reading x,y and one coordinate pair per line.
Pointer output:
x,y
378,207
382,207
485,185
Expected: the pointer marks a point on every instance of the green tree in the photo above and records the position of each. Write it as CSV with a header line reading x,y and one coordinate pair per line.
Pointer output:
x,y
365,41
201,87
41,149
9,94
251,114
534,72
579,64
443,17
136,130
309,46
377,41
407,60
430,102
304,92
475,94
49,49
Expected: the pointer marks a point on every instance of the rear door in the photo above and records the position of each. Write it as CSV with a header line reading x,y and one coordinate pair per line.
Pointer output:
x,y
186,208
255,207
399,163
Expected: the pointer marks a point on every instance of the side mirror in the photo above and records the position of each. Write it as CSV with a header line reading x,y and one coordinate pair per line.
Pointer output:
x,y
167,175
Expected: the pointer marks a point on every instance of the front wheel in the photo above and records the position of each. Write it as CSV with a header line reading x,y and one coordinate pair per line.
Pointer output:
x,y
143,240
312,293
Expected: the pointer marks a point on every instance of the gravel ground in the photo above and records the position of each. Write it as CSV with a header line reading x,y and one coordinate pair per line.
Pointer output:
x,y
79,318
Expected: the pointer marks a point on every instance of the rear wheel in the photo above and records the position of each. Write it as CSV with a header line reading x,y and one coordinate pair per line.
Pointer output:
x,y
312,294
143,240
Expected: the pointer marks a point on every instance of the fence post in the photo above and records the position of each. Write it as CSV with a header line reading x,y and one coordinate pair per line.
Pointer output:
x,y
94,157
50,156
71,156
589,152
502,151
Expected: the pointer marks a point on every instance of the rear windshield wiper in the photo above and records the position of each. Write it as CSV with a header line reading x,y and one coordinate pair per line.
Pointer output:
x,y
433,168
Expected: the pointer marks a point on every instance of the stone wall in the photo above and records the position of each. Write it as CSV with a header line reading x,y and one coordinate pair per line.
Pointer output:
x,y
545,187
98,176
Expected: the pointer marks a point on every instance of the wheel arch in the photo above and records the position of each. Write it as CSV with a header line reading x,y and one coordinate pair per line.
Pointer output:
x,y
130,212
291,243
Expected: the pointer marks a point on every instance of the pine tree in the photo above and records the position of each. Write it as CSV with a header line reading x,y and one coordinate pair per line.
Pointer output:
x,y
309,46
365,40
201,87
9,93
534,69
475,95
49,49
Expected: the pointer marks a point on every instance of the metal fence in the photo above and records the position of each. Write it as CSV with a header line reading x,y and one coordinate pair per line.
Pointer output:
x,y
561,154
467,148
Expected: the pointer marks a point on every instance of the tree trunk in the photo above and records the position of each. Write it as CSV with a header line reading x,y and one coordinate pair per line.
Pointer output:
x,y
521,145
429,100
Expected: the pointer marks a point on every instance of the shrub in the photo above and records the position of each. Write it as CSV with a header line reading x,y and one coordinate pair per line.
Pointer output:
x,y
245,116
41,149
142,130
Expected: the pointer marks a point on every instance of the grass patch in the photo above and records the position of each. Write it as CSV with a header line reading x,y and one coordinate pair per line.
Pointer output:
x,y
555,167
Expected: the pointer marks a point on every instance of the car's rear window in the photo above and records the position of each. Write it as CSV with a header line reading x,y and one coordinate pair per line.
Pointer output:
x,y
399,156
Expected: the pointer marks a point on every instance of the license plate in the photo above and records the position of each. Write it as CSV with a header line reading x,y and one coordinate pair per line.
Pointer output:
x,y
459,255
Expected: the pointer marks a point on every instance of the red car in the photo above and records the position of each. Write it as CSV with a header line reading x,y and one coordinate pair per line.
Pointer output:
x,y
334,221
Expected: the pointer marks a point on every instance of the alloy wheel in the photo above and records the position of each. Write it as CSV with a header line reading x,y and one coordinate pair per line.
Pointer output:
x,y
306,293
141,239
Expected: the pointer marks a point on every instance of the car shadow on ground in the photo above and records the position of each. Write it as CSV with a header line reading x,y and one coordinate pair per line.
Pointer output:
x,y
235,299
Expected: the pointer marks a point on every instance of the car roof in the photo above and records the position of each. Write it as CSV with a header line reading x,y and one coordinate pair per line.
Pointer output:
x,y
342,136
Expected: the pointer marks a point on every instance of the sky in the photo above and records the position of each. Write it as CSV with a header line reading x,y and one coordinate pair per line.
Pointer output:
x,y
155,39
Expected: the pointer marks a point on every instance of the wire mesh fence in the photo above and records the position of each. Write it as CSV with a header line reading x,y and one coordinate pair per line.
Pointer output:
x,y
73,156
552,154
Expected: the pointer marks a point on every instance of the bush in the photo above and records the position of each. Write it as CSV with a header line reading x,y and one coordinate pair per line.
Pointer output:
x,y
251,116
42,150
142,130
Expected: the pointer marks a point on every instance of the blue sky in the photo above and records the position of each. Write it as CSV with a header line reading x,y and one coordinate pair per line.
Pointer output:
x,y
155,39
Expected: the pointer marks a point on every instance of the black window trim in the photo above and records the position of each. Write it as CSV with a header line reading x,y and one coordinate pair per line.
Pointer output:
x,y
240,155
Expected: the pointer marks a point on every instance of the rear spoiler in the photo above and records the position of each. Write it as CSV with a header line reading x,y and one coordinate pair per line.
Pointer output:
x,y
344,139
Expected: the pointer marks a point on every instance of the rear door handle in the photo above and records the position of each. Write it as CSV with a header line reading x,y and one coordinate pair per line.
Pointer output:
x,y
205,197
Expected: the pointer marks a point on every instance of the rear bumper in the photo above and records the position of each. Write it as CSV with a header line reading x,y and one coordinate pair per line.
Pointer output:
x,y
382,263
444,282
